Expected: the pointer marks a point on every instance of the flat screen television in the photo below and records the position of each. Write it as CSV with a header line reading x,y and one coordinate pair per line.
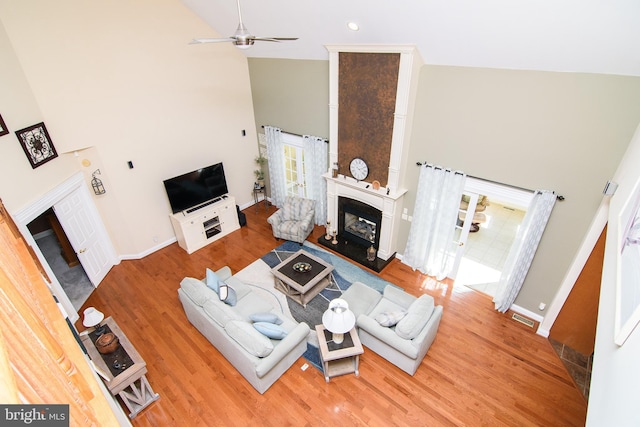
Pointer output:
x,y
194,188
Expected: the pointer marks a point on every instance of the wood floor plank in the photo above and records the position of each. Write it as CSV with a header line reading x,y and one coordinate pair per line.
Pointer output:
x,y
482,369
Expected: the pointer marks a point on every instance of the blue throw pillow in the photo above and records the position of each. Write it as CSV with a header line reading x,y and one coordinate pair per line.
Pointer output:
x,y
213,281
266,317
227,294
270,330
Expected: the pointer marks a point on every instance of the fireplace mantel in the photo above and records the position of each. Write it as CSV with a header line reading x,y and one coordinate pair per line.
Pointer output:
x,y
389,204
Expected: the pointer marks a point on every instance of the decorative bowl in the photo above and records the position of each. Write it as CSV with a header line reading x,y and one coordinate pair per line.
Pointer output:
x,y
302,267
107,343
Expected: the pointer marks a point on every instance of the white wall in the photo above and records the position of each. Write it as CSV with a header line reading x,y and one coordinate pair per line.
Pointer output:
x,y
615,381
119,76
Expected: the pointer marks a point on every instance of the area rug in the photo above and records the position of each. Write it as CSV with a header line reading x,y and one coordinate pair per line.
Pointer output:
x,y
258,275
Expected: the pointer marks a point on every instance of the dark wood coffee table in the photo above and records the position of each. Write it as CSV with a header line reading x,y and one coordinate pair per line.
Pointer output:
x,y
302,286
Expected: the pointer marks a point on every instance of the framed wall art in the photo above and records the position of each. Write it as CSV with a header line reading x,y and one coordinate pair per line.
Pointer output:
x,y
37,144
3,127
628,268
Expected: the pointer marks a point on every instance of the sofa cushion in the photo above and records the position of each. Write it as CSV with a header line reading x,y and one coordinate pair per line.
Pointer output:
x,y
270,330
266,317
390,318
417,317
196,290
220,312
249,338
212,280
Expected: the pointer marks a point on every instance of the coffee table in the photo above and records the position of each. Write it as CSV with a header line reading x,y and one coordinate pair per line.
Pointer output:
x,y
339,359
302,286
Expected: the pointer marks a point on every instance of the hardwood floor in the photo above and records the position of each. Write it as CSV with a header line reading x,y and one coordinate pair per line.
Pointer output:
x,y
483,368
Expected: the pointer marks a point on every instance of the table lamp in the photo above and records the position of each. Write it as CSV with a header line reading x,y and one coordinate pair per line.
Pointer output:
x,y
338,319
92,318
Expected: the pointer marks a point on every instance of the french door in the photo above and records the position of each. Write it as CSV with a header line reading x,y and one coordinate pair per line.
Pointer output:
x,y
294,166
463,225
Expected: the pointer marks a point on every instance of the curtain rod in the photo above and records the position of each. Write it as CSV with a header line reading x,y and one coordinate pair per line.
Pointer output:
x,y
295,134
558,196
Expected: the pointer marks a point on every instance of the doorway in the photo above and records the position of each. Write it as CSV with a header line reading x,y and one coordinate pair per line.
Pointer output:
x,y
58,251
79,216
496,220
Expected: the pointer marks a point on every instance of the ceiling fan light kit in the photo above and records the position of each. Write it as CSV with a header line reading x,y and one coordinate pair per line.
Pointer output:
x,y
242,38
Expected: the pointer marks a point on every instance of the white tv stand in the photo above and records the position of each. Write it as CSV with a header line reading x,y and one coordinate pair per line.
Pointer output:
x,y
205,225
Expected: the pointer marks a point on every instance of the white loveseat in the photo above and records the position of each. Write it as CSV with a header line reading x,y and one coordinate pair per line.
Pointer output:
x,y
404,344
260,360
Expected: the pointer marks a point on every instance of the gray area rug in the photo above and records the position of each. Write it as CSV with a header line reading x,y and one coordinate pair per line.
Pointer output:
x,y
73,280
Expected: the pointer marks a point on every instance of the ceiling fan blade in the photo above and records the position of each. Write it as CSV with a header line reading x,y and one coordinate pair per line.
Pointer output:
x,y
275,39
218,40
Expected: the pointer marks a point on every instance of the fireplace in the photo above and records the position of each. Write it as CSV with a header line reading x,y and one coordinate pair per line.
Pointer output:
x,y
359,222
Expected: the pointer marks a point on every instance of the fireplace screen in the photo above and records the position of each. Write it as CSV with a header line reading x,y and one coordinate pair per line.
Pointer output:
x,y
360,227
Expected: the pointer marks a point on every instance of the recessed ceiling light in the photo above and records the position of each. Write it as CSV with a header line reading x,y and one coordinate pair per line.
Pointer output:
x,y
353,26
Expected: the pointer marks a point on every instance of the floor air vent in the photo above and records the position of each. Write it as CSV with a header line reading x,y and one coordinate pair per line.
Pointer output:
x,y
530,323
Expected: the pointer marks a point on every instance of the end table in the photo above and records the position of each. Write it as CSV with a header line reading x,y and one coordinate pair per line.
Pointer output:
x,y
339,359
257,191
126,375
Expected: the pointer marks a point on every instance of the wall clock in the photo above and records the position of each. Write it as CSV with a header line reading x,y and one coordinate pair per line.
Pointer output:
x,y
359,169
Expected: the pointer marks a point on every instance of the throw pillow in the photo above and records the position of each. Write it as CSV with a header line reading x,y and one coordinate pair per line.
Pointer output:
x,y
249,338
213,281
266,317
390,318
270,330
227,294
418,315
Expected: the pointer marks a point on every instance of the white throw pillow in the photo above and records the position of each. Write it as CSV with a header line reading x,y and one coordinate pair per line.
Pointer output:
x,y
390,318
418,315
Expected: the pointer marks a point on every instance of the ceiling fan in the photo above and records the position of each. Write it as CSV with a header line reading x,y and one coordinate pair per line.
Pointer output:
x,y
242,38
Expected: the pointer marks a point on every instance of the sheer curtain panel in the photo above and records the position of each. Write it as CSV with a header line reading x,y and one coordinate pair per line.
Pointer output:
x,y
430,246
316,163
275,153
523,249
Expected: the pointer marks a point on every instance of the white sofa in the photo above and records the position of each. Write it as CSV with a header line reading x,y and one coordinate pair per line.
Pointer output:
x,y
260,360
404,344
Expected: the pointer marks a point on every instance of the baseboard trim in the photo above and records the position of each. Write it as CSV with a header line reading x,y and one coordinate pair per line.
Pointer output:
x,y
531,315
148,251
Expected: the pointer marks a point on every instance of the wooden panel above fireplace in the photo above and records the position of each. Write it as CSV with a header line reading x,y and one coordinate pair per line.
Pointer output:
x,y
367,98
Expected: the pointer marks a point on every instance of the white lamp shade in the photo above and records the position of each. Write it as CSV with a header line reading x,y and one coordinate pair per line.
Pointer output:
x,y
92,317
338,318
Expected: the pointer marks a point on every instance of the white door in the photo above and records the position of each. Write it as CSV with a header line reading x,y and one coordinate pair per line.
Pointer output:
x,y
86,234
463,226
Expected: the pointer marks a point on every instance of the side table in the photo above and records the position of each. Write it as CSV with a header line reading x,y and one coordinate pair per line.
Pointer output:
x,y
257,191
339,359
125,374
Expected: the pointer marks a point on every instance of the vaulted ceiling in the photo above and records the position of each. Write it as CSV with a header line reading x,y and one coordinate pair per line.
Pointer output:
x,y
592,36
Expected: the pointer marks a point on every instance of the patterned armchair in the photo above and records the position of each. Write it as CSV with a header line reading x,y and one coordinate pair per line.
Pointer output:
x,y
294,221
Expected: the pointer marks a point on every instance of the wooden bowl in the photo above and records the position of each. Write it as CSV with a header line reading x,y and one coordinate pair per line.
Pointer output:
x,y
107,343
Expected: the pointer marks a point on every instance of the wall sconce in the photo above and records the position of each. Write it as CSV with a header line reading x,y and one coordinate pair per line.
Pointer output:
x,y
96,183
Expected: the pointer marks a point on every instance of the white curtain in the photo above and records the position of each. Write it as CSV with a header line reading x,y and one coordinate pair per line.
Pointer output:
x,y
316,163
430,246
275,154
523,249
